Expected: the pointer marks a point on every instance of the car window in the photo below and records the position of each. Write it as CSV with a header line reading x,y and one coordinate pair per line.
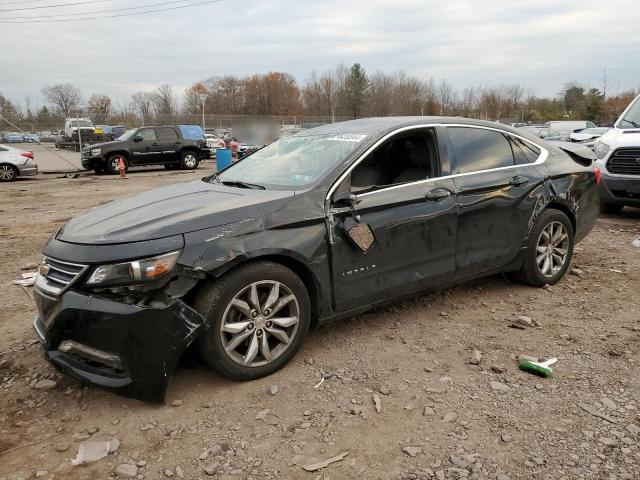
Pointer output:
x,y
167,133
591,125
523,152
147,134
404,158
480,149
191,132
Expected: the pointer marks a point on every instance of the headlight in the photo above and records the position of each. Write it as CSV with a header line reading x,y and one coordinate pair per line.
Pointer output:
x,y
601,149
137,271
95,152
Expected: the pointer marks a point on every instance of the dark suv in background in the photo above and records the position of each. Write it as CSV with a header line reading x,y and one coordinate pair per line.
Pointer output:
x,y
174,146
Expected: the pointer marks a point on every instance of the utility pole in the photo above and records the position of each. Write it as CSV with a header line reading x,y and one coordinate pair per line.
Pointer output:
x,y
202,100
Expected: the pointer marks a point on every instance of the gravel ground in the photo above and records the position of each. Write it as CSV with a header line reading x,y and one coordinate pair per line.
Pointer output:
x,y
424,389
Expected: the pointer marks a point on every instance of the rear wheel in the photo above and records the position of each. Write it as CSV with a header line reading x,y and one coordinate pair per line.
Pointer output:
x,y
608,207
548,250
258,316
113,161
8,173
188,160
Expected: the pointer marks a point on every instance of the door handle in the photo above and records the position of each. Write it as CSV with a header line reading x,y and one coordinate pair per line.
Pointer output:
x,y
155,144
518,180
178,142
438,194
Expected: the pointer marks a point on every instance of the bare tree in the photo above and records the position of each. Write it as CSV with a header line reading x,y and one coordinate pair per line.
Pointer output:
x,y
64,97
27,107
142,103
100,106
163,101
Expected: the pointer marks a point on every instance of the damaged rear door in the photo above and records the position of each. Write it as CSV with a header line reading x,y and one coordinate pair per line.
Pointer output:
x,y
496,183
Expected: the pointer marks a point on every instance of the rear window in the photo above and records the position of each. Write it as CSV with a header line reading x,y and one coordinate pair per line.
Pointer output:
x,y
167,133
480,149
524,152
192,132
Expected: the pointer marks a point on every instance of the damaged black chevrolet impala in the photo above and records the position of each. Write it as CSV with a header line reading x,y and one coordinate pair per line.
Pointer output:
x,y
317,226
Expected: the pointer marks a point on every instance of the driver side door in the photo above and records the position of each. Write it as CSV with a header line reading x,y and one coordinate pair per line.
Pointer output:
x,y
414,224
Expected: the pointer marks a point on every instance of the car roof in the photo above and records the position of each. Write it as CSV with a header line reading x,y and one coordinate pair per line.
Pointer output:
x,y
382,125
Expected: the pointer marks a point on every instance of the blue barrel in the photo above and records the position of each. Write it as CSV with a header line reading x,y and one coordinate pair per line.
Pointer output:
x,y
223,158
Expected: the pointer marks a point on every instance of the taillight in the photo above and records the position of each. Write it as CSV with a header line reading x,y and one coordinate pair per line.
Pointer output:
x,y
598,174
27,154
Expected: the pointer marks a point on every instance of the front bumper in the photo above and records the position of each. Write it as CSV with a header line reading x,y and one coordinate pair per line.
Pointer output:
x,y
620,190
129,349
89,162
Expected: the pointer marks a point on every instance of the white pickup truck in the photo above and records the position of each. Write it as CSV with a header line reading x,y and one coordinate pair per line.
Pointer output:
x,y
618,157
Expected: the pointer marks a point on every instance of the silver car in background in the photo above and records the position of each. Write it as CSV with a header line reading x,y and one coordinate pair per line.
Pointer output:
x,y
16,163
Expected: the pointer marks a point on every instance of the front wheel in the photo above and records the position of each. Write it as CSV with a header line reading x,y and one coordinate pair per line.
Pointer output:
x,y
113,161
258,316
549,249
8,173
188,160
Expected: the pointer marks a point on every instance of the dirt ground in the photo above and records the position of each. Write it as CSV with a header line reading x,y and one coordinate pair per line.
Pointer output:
x,y
440,417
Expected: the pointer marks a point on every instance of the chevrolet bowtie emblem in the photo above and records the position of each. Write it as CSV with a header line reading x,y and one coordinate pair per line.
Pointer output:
x,y
44,269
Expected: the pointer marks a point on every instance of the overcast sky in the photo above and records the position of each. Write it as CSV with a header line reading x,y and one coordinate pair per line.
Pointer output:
x,y
535,43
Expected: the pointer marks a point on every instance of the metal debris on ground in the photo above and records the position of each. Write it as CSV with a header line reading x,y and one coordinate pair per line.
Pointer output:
x,y
27,280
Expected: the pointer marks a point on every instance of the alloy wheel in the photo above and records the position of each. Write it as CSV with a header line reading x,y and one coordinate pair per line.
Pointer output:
x,y
190,160
552,249
260,323
7,173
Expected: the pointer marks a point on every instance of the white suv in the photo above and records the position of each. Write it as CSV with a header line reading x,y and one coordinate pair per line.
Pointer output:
x,y
618,157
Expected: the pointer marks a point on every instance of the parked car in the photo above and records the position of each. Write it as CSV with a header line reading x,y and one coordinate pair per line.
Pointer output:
x,y
542,132
13,137
214,142
566,127
31,138
78,126
618,154
588,136
109,133
47,136
314,227
16,163
174,146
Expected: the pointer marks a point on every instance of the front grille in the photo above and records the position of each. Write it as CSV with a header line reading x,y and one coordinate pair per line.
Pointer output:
x,y
625,161
56,276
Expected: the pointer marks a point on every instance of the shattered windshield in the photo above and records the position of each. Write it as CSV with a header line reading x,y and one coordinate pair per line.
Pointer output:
x,y
631,119
291,162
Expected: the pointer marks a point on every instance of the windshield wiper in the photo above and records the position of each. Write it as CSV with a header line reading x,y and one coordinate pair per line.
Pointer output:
x,y
238,183
215,177
631,122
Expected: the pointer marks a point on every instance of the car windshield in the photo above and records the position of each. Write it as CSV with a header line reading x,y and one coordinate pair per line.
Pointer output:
x,y
292,162
128,134
81,123
631,119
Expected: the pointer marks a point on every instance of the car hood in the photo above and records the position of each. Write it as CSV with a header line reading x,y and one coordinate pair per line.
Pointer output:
x,y
114,143
617,138
171,210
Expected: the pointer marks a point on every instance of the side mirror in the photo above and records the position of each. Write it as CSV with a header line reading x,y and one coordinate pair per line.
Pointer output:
x,y
137,138
360,234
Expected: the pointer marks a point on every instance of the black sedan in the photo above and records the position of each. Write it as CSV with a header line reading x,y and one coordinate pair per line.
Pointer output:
x,y
317,226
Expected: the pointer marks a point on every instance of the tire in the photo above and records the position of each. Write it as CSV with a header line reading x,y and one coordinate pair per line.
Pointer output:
x,y
214,303
8,173
189,160
112,164
532,269
607,207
